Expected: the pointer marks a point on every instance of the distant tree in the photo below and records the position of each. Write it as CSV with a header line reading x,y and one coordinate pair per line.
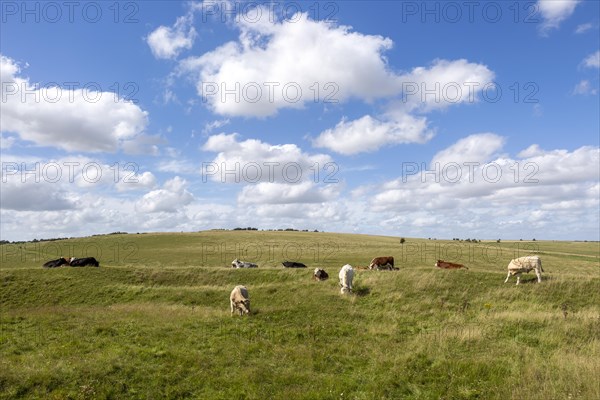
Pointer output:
x,y
534,239
498,241
402,240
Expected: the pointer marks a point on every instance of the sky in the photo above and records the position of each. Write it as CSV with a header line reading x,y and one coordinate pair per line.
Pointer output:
x,y
400,118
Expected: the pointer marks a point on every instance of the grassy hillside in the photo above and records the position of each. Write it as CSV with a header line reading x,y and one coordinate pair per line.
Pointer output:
x,y
153,321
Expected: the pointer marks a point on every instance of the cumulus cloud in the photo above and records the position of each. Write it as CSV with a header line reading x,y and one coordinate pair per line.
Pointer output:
x,y
170,199
522,196
34,196
167,42
282,193
477,148
254,161
593,60
472,174
368,134
67,118
423,90
554,12
285,64
443,84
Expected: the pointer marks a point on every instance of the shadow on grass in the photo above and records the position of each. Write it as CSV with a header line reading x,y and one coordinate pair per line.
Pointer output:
x,y
361,291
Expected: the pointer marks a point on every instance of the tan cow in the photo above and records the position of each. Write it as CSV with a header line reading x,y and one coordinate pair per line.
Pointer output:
x,y
525,264
449,265
240,300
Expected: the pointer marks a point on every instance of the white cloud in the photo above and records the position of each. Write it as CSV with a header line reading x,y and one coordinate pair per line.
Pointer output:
x,y
477,148
281,64
582,28
170,199
584,87
593,60
132,181
367,134
6,142
69,119
283,193
254,161
424,89
443,84
492,180
34,196
537,192
168,42
209,127
554,12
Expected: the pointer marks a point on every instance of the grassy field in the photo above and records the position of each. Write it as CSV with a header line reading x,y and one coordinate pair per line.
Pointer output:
x,y
153,321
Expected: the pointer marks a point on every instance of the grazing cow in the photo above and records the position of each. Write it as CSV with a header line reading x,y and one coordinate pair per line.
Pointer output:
x,y
242,264
55,263
382,263
346,275
240,300
320,274
525,264
449,265
293,264
82,262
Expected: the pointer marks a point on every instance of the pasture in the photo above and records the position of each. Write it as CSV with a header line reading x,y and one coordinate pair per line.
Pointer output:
x,y
153,321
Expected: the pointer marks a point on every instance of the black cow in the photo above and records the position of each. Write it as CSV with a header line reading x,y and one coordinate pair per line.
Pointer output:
x,y
82,262
55,263
293,264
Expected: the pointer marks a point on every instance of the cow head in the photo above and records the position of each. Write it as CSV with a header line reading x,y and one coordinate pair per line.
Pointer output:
x,y
244,306
235,263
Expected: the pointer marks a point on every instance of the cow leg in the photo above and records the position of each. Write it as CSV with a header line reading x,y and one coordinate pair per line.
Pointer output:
x,y
518,278
539,276
507,276
232,306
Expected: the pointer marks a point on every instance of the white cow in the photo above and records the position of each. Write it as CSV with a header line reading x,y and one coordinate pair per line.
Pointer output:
x,y
242,264
346,275
240,300
525,264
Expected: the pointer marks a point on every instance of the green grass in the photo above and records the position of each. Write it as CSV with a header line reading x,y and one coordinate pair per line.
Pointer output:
x,y
153,321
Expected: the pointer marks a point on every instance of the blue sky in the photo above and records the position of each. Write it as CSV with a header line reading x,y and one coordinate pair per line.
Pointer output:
x,y
417,119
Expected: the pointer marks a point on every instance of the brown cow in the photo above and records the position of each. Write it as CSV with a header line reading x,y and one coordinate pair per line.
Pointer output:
x,y
382,263
449,265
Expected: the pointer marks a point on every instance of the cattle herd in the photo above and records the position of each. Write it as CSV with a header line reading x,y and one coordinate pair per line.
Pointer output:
x,y
240,300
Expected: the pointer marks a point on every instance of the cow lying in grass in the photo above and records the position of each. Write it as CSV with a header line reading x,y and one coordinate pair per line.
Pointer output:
x,y
448,265
82,262
382,263
242,264
240,300
293,264
525,264
346,275
320,274
55,263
